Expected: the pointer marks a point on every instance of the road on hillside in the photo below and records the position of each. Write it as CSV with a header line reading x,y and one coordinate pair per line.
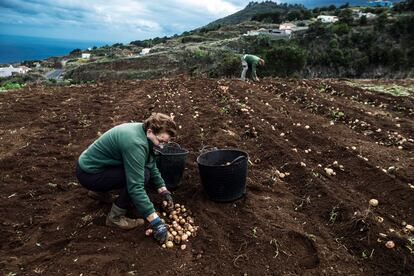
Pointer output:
x,y
54,74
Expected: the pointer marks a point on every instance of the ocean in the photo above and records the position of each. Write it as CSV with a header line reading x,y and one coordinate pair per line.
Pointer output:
x,y
21,48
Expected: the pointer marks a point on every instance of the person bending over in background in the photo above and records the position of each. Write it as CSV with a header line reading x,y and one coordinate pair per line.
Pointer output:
x,y
251,61
123,158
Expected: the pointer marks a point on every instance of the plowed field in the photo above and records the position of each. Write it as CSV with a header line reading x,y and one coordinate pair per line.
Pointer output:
x,y
319,150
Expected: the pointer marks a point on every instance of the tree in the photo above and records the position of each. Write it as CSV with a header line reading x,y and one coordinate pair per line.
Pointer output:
x,y
285,60
294,15
363,20
345,6
76,51
346,16
331,8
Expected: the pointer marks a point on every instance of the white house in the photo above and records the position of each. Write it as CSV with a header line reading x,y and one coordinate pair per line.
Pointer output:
x,y
145,51
251,33
327,18
8,71
368,15
86,55
273,33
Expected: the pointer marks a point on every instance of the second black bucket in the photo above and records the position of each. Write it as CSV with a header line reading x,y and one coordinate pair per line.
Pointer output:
x,y
223,174
171,164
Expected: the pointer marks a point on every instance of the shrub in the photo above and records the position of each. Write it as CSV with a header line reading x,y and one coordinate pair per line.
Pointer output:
x,y
192,38
76,52
228,65
340,28
284,60
8,85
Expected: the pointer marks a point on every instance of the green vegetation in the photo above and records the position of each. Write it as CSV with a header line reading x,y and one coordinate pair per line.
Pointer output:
x,y
9,85
393,89
259,12
338,115
333,215
347,49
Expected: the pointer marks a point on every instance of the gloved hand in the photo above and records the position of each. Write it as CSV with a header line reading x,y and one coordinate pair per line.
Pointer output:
x,y
159,229
166,195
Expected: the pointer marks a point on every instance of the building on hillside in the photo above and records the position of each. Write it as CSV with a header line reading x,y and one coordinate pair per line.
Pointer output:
x,y
145,51
380,3
287,26
9,71
251,33
86,55
273,33
327,18
368,15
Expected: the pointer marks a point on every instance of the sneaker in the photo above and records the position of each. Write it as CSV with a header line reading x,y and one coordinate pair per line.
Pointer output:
x,y
123,222
104,197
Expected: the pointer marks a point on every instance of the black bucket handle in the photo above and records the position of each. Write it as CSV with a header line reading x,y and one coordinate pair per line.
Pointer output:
x,y
237,159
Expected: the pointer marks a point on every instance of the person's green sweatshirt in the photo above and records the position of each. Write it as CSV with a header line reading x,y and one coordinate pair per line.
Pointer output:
x,y
126,145
252,60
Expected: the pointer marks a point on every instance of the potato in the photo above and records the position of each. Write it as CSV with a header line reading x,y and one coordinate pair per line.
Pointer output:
x,y
390,244
169,244
184,237
177,239
373,202
174,233
183,247
177,205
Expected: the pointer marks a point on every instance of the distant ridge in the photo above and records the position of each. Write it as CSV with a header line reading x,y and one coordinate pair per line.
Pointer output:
x,y
252,9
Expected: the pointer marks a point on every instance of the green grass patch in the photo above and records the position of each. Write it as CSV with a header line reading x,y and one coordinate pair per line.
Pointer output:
x,y
9,85
393,89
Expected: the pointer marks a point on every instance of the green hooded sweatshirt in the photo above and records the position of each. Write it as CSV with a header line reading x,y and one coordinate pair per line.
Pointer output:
x,y
126,145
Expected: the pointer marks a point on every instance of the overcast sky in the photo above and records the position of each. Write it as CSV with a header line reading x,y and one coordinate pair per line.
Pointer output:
x,y
110,20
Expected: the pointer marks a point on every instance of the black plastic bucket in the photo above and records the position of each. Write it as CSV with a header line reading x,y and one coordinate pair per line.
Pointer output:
x,y
223,174
171,164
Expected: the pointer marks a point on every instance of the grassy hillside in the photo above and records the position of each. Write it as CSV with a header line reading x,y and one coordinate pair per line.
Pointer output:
x,y
254,9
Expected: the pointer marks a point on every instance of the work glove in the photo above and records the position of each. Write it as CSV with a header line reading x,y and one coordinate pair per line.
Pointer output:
x,y
159,230
166,196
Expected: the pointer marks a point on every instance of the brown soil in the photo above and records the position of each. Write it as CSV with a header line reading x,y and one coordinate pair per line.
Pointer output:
x,y
307,223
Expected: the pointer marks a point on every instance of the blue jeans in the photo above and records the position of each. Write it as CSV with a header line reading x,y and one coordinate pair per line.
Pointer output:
x,y
112,178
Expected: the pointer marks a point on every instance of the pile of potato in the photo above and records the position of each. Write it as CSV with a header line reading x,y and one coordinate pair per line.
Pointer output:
x,y
180,225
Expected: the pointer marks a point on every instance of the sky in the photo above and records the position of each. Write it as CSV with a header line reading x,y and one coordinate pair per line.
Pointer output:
x,y
111,20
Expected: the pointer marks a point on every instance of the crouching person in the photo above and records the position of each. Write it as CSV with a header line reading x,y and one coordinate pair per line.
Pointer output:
x,y
123,158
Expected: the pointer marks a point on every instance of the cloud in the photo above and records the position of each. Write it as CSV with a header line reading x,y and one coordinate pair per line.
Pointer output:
x,y
120,19
216,7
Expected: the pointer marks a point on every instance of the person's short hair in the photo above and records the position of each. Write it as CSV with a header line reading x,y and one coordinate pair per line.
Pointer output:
x,y
160,123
